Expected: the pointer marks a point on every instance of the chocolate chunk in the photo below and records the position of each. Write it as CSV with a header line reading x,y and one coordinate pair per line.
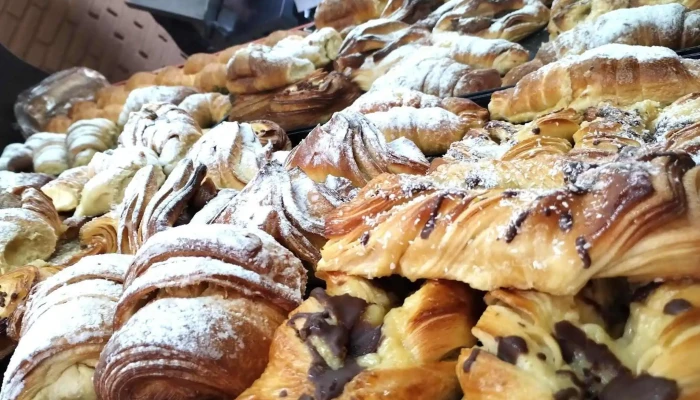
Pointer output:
x,y
330,382
430,223
582,250
510,348
677,306
283,393
364,239
642,387
514,227
542,356
567,394
305,397
364,339
14,296
641,293
536,130
566,221
467,366
509,194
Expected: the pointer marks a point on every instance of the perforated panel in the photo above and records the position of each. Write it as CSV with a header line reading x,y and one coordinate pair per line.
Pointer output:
x,y
104,35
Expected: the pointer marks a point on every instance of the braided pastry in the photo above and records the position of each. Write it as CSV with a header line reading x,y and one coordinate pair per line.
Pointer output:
x,y
50,155
67,322
214,297
110,173
164,128
258,68
349,146
152,94
90,136
307,103
340,14
16,157
207,109
65,190
607,222
539,346
579,82
137,197
356,340
231,153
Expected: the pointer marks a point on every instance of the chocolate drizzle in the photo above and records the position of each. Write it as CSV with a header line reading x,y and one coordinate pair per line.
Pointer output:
x,y
510,348
514,227
347,339
430,223
582,250
467,366
677,306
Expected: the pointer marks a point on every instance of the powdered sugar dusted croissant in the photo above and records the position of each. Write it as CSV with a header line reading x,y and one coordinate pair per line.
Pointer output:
x,y
593,230
50,155
340,14
66,189
231,152
99,235
153,94
356,340
10,180
90,136
286,204
541,346
164,128
270,132
215,294
409,11
137,197
207,109
16,157
111,172
67,322
350,146
500,54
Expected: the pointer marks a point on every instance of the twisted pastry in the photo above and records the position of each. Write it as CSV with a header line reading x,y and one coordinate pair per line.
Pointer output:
x,y
111,172
540,346
164,128
270,132
16,157
288,205
99,235
49,152
307,103
258,68
214,295
349,146
437,74
584,81
500,54
356,340
137,197
207,109
67,322
65,190
90,136
15,290
153,94
511,20
231,153
409,11
340,14
611,220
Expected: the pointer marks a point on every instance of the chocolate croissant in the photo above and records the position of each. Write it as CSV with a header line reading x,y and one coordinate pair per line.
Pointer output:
x,y
214,296
357,340
350,146
535,345
67,321
607,222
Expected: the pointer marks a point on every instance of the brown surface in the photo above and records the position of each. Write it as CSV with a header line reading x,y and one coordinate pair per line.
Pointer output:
x,y
102,34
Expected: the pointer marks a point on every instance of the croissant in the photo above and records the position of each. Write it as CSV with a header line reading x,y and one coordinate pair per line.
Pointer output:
x,y
376,66
58,124
270,132
207,109
66,189
539,346
137,197
171,76
340,14
90,136
30,232
16,286
477,52
163,128
16,157
99,235
110,174
197,62
140,80
111,95
437,75
349,146
153,94
356,340
214,295
50,155
212,78
286,204
682,113
10,180
510,20
409,11
84,110
307,103
584,81
231,153
67,322
579,221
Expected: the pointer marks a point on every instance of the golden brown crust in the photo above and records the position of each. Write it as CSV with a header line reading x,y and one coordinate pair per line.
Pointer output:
x,y
340,14
270,132
207,109
137,197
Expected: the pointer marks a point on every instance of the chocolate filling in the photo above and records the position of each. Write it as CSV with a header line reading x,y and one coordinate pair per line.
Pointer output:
x,y
582,250
430,223
514,227
642,292
348,339
364,239
677,306
567,394
467,366
642,387
510,348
